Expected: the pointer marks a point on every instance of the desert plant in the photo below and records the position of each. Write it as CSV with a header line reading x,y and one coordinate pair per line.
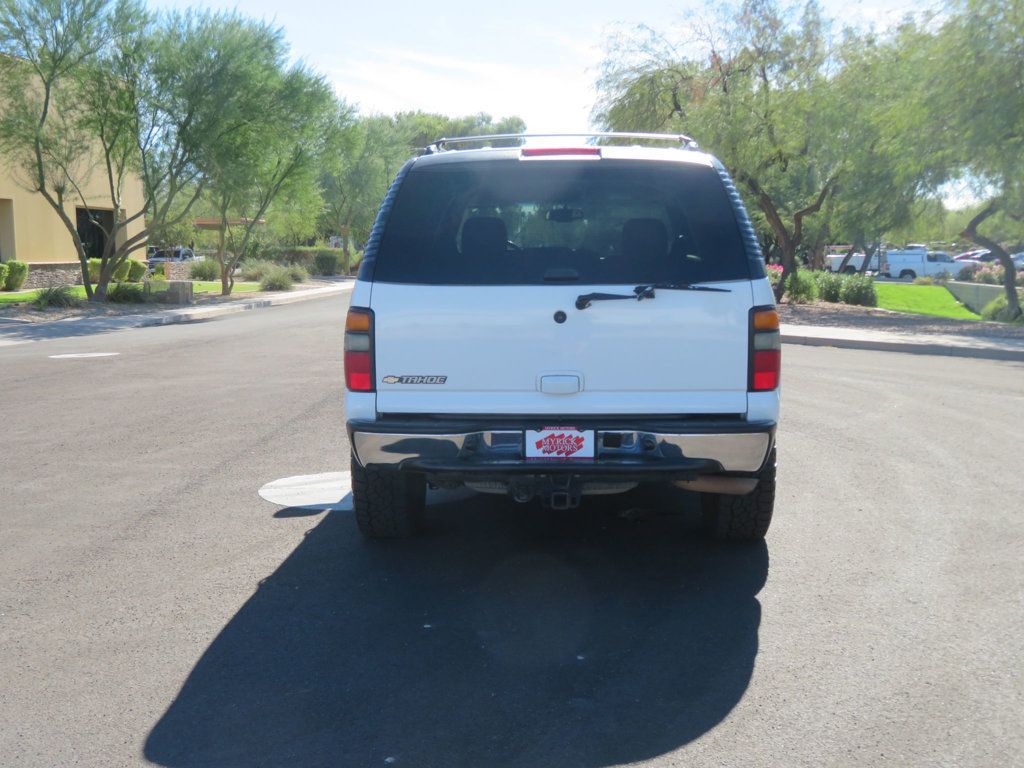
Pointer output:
x,y
56,296
208,269
924,281
800,287
3,274
121,273
774,272
829,285
297,273
997,310
989,276
126,293
17,272
136,270
276,279
326,262
257,270
859,290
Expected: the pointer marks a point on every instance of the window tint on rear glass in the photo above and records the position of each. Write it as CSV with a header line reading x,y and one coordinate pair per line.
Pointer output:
x,y
517,222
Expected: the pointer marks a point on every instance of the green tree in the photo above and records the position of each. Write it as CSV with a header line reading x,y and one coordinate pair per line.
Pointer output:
x,y
100,87
758,94
286,120
975,110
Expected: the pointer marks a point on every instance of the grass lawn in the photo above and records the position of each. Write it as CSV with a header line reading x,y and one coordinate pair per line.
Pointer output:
x,y
199,286
213,286
19,297
931,300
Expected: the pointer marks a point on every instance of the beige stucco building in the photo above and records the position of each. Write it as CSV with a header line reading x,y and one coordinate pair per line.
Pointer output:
x,y
30,230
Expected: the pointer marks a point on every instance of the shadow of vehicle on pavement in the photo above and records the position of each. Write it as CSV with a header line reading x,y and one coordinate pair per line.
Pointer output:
x,y
507,635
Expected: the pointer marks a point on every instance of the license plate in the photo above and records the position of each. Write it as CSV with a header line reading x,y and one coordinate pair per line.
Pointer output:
x,y
559,443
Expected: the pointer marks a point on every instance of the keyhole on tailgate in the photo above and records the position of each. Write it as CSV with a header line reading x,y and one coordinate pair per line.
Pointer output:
x,y
559,316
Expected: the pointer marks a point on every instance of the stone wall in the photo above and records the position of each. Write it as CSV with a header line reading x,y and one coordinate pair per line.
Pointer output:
x,y
975,296
48,275
177,270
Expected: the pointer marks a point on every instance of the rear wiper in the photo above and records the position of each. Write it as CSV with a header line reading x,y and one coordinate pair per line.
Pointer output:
x,y
642,292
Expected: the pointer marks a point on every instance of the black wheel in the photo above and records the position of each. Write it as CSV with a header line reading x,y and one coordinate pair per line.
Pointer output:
x,y
849,270
388,503
907,273
743,518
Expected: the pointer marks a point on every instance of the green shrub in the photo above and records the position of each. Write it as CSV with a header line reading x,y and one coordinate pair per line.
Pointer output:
x,y
327,262
997,310
297,273
800,287
136,270
159,273
830,285
354,262
859,290
121,273
924,281
17,272
57,296
3,274
94,270
126,293
967,273
208,269
256,270
276,279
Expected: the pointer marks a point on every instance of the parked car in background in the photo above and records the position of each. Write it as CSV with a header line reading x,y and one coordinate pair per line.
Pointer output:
x,y
156,255
908,263
981,254
834,263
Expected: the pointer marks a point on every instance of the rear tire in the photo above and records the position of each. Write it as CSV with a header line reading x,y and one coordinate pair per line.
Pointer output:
x,y
388,503
743,518
906,273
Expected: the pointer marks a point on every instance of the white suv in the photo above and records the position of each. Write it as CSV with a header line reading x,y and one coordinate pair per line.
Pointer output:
x,y
552,322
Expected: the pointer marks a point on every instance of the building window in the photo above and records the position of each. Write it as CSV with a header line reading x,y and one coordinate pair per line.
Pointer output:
x,y
94,237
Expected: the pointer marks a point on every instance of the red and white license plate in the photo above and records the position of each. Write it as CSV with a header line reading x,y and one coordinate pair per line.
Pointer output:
x,y
559,443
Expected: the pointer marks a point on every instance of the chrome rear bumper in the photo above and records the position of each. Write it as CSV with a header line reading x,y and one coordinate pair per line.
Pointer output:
x,y
732,451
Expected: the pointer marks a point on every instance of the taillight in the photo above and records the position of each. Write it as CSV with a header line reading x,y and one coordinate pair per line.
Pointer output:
x,y
765,350
359,350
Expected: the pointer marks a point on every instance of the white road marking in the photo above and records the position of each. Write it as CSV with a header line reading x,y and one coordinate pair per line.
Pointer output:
x,y
83,354
326,491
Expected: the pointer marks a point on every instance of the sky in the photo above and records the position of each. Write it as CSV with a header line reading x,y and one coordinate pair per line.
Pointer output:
x,y
534,59
538,60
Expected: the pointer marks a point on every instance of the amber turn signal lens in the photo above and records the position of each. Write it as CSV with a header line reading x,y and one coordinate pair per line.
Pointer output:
x,y
766,320
357,321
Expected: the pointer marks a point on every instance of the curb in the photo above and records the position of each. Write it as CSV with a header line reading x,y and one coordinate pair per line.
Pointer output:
x,y
188,315
914,348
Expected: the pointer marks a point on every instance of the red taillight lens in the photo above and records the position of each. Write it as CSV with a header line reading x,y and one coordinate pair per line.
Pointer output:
x,y
765,339
359,350
767,364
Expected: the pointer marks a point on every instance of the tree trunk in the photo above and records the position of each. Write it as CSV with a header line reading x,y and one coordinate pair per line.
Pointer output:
x,y
226,283
788,268
1009,270
869,254
345,230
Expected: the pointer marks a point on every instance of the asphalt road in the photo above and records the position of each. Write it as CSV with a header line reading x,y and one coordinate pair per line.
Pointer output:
x,y
154,610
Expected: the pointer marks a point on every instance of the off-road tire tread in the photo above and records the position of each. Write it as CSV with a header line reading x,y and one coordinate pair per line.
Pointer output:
x,y
743,518
388,503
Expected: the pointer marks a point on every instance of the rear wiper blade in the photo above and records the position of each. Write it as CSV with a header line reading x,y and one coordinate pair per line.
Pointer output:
x,y
642,292
646,290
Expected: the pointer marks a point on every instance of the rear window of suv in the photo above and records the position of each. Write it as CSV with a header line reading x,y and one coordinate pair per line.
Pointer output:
x,y
512,222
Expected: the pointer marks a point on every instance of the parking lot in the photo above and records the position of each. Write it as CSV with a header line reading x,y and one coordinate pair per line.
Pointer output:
x,y
155,610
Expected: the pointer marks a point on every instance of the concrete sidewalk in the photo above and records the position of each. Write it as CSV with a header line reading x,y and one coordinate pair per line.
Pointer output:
x,y
23,333
914,343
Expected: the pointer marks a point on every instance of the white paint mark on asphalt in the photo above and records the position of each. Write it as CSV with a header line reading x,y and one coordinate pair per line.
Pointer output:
x,y
83,354
326,491
428,626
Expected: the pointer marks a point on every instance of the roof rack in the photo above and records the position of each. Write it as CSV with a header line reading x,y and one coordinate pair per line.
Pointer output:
x,y
678,138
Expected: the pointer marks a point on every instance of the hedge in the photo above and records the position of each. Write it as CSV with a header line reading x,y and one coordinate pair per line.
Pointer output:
x,y
17,271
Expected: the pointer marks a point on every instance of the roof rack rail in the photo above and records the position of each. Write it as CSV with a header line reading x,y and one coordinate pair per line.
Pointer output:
x,y
678,138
